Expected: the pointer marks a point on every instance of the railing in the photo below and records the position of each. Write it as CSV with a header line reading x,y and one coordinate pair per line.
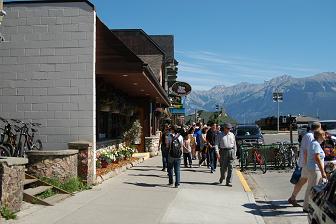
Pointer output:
x,y
272,156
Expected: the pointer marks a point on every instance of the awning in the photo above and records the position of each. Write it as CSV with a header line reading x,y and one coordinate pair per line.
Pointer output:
x,y
119,66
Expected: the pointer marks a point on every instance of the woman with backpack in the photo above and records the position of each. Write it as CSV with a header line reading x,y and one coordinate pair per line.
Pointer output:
x,y
174,143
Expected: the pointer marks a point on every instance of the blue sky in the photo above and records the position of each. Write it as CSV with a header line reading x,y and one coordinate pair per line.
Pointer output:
x,y
227,42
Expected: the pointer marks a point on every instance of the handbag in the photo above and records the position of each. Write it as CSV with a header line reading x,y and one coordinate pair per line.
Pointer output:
x,y
296,175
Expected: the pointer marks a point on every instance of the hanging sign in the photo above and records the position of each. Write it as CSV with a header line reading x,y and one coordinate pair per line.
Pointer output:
x,y
181,88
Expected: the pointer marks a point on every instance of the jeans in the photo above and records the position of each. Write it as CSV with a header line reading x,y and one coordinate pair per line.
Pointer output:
x,y
213,158
174,163
164,153
187,158
226,164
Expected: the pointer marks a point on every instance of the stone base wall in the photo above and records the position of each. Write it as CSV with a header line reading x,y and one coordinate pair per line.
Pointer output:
x,y
12,176
86,161
60,164
152,145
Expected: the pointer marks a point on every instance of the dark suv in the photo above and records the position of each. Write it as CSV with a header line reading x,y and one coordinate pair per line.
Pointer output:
x,y
248,134
322,207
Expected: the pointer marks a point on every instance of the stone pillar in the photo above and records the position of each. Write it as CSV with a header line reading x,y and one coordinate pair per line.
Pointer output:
x,y
86,161
12,176
152,145
59,164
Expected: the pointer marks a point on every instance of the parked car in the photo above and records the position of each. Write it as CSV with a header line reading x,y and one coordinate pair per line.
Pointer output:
x,y
248,134
302,130
329,125
322,207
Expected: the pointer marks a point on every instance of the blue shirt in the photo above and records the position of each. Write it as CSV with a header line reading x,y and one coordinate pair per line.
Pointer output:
x,y
198,134
314,148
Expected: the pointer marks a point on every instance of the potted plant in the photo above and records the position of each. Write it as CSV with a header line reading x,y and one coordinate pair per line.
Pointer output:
x,y
133,134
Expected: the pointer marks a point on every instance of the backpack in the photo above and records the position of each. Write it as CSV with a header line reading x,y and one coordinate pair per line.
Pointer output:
x,y
175,148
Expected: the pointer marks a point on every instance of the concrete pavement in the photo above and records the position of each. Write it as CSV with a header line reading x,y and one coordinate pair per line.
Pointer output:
x,y
141,195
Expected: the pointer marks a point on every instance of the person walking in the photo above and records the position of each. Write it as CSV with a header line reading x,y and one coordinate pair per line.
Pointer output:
x,y
192,142
315,165
204,147
305,144
211,138
187,151
164,149
226,148
175,143
198,135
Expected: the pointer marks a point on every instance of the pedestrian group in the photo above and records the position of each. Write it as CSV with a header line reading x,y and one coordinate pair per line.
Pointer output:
x,y
208,145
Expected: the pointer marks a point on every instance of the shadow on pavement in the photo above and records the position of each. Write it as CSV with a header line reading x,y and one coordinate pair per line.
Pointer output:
x,y
139,169
201,183
148,175
268,210
139,184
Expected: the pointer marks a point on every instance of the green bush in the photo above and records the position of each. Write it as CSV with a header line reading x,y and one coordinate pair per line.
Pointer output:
x,y
71,185
7,213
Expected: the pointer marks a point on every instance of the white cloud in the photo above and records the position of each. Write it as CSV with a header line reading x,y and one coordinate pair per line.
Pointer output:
x,y
216,68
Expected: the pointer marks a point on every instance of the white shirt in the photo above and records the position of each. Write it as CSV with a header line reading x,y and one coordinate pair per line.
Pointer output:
x,y
305,144
225,141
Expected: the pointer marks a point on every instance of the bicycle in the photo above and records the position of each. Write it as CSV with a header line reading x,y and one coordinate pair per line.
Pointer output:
x,y
26,139
7,139
257,157
285,156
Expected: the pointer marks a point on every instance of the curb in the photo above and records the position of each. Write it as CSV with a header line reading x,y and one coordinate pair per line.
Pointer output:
x,y
243,181
258,217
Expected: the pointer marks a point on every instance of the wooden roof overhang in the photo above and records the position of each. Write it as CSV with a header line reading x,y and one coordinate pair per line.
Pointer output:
x,y
123,70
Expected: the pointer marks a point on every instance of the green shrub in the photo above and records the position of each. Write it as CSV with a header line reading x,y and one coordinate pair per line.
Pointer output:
x,y
7,213
71,185
46,194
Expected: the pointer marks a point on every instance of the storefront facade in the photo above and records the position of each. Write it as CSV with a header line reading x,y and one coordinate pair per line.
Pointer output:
x,y
64,68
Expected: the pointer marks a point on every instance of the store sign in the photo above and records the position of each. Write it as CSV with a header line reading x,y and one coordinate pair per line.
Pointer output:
x,y
177,111
181,88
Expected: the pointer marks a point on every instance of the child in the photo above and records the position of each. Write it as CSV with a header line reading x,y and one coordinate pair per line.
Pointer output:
x,y
187,151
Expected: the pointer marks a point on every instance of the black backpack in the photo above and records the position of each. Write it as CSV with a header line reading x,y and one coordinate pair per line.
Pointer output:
x,y
175,148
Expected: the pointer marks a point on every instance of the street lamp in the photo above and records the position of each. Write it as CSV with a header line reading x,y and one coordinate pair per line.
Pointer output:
x,y
278,97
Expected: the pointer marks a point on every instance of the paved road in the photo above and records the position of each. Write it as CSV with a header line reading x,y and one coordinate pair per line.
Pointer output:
x,y
271,191
141,195
281,137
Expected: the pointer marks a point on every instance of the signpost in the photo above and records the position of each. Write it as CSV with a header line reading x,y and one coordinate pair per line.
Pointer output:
x,y
278,97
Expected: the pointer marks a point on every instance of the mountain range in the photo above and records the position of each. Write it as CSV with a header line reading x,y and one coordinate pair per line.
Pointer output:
x,y
312,96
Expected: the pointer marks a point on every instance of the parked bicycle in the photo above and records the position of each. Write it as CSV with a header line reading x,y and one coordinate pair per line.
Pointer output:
x,y
26,141
12,145
286,155
258,157
7,139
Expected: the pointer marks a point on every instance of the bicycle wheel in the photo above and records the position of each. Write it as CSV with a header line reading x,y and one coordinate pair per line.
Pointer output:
x,y
4,151
37,145
262,162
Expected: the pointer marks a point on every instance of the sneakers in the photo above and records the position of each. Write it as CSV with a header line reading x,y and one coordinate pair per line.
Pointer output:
x,y
229,184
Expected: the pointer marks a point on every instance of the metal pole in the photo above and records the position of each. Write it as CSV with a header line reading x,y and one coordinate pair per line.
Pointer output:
x,y
278,113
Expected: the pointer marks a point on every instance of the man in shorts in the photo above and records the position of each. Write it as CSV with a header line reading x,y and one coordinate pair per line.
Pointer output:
x,y
305,143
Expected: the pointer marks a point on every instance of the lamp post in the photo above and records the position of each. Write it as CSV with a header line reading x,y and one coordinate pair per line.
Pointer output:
x,y
278,97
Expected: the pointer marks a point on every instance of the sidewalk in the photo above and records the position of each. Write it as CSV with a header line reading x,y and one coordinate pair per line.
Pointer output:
x,y
141,195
